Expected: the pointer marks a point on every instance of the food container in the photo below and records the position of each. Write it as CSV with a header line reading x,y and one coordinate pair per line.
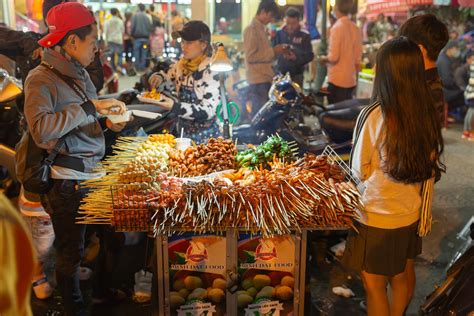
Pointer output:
x,y
183,143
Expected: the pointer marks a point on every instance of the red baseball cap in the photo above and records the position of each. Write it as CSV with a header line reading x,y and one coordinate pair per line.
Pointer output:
x,y
63,18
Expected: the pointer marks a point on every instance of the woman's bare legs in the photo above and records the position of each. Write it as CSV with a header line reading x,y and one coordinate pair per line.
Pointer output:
x,y
399,294
411,278
376,290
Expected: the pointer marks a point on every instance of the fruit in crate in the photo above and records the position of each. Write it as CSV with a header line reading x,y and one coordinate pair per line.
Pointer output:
x,y
192,282
216,295
284,293
261,280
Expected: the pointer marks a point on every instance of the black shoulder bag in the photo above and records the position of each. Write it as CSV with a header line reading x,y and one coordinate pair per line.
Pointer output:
x,y
37,175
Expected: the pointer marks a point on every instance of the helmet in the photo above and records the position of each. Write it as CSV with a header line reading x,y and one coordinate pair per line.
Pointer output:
x,y
284,91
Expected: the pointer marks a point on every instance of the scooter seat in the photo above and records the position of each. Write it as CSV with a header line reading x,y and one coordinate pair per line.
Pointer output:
x,y
339,124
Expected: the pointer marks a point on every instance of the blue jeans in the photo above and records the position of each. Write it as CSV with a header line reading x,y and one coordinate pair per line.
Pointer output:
x,y
42,235
140,52
62,204
115,50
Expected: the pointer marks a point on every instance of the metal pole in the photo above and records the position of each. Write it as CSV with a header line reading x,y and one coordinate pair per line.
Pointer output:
x,y
225,109
169,18
324,21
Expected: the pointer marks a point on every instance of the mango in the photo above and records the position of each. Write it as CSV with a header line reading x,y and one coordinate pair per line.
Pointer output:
x,y
288,281
184,293
243,300
216,295
261,280
247,283
252,291
176,300
178,285
198,293
192,282
284,293
267,291
219,284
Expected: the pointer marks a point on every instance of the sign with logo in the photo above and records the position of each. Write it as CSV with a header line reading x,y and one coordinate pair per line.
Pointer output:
x,y
266,267
197,266
203,253
273,254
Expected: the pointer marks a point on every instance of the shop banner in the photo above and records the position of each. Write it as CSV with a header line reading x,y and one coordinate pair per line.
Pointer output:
x,y
266,267
197,265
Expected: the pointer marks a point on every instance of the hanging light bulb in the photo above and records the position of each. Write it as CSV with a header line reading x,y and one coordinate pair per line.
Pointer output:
x,y
281,2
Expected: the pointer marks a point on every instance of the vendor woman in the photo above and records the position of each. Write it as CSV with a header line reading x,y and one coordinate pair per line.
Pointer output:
x,y
195,85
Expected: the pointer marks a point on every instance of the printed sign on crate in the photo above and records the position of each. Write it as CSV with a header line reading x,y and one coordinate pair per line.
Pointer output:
x,y
197,266
266,267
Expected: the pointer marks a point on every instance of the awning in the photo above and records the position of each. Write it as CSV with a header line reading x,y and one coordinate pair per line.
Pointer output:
x,y
375,7
419,2
466,3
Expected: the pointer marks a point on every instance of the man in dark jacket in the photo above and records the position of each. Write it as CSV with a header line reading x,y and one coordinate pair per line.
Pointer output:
x,y
141,29
446,62
431,35
299,41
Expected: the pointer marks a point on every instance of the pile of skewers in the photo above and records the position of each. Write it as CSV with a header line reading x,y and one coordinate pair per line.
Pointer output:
x,y
144,192
286,198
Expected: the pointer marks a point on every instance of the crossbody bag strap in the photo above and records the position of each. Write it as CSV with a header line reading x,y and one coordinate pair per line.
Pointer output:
x,y
69,81
80,92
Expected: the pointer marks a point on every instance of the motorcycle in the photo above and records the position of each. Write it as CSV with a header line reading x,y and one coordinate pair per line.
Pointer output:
x,y
285,114
11,100
455,296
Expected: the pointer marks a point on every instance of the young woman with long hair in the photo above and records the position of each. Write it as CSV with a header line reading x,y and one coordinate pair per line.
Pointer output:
x,y
396,154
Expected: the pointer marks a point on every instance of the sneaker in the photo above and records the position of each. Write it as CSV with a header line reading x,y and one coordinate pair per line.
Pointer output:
x,y
465,135
42,288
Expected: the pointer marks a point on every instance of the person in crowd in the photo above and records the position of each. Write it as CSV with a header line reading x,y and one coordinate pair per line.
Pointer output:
x,y
344,54
157,37
364,28
300,52
196,86
463,73
469,95
113,36
141,30
393,24
127,36
446,64
431,35
396,154
155,18
382,28
17,262
259,54
53,110
177,24
177,21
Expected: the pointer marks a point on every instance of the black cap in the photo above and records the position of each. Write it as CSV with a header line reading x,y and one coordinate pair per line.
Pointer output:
x,y
194,31
451,44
